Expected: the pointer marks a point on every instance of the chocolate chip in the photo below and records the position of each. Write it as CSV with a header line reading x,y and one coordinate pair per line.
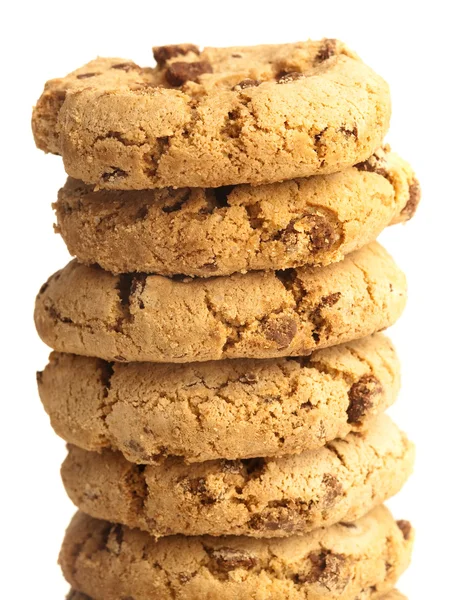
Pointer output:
x,y
86,75
413,201
126,66
179,72
333,489
316,228
224,560
307,405
326,569
273,522
281,515
361,397
232,124
281,330
327,49
321,234
164,53
375,164
284,77
316,317
44,288
197,486
246,83
39,377
350,132
330,300
405,527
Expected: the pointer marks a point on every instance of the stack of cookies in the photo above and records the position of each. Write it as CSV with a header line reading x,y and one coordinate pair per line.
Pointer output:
x,y
218,371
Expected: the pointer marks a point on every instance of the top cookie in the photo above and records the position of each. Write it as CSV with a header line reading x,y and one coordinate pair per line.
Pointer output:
x,y
222,116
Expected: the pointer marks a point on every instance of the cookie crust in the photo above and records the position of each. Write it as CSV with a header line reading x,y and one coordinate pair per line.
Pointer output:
x,y
85,310
205,232
222,116
110,562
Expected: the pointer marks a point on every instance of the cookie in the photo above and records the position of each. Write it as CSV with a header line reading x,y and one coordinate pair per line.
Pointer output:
x,y
219,117
394,595
205,232
222,409
342,562
85,310
257,497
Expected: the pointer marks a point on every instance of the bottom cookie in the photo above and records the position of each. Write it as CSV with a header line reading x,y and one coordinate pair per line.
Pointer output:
x,y
394,595
360,560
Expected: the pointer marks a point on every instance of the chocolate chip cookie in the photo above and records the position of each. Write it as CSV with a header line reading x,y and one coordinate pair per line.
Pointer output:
x,y
221,116
257,497
205,232
220,409
394,595
85,310
342,562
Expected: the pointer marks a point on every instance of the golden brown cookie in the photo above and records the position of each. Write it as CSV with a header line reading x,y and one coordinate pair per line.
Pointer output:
x,y
205,232
394,595
221,409
256,497
85,310
342,562
218,117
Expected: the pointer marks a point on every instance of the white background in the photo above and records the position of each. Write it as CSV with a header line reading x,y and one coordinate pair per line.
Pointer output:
x,y
417,47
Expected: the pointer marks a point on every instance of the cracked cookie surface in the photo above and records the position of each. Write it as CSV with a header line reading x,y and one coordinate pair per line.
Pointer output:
x,y
363,559
205,232
221,409
256,497
218,117
87,311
